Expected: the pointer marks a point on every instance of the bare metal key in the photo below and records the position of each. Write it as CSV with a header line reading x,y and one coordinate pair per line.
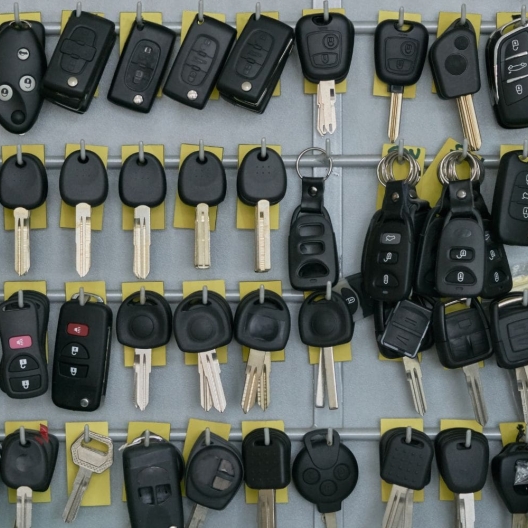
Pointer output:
x,y
202,238
24,507
474,384
326,113
264,385
413,372
142,370
254,370
22,251
211,372
521,373
519,520
90,461
326,378
465,507
141,242
395,510
83,238
205,393
262,236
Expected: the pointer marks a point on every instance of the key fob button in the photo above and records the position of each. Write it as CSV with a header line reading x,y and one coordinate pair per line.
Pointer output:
x,y
31,383
76,351
456,64
27,83
460,276
73,371
519,211
77,329
205,46
391,238
193,75
386,280
461,254
388,257
142,326
6,92
522,180
515,45
23,363
18,342
18,117
23,54
515,91
497,276
520,195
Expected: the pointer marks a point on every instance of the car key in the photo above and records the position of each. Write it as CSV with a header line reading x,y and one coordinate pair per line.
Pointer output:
x,y
78,61
202,184
203,322
22,67
213,475
201,57
143,62
27,465
153,469
144,322
262,323
325,472
255,64
324,322
463,340
83,184
23,327
456,73
406,457
261,182
325,50
23,187
142,186
82,353
462,456
266,453
90,460
400,51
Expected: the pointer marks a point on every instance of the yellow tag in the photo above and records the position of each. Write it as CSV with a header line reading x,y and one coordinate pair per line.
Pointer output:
x,y
38,216
392,423
67,214
136,429
11,427
217,286
309,87
98,492
248,287
445,493
95,287
246,213
380,88
184,215
504,149
242,19
159,355
446,19
504,18
34,15
247,427
510,431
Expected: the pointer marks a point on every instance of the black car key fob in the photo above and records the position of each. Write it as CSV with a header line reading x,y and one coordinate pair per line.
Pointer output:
x,y
201,57
78,61
22,67
142,65
255,65
82,354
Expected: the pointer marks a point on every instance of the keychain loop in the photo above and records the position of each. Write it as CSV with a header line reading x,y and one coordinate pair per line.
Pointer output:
x,y
311,149
385,168
447,168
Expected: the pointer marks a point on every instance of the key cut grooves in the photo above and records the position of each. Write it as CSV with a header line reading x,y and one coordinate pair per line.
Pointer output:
x,y
83,239
142,369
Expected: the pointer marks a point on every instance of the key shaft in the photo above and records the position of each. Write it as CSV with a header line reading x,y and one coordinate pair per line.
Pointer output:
x,y
22,250
262,237
24,507
468,117
413,373
465,507
211,369
521,373
83,238
142,242
474,384
197,517
326,377
330,520
264,386
266,510
394,510
519,520
396,101
326,99
206,401
254,370
202,238
142,370
80,485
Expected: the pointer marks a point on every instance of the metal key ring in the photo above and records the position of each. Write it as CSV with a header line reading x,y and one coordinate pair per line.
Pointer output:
x,y
310,149
447,167
385,170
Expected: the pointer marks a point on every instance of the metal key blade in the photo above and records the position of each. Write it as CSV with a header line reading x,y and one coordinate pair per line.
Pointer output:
x,y
205,394
24,507
197,517
466,509
396,99
519,520
142,369
476,393
83,238
330,377
330,520
266,511
395,507
80,484
202,238
264,387
211,370
408,509
521,374
22,253
413,372
141,242
319,393
326,98
254,368
262,237
468,117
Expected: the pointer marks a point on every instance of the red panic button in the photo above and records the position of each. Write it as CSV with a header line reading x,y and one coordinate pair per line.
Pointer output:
x,y
77,329
18,342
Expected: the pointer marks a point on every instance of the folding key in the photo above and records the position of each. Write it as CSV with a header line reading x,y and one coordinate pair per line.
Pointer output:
x,y
23,187
90,460
83,184
144,322
262,322
142,185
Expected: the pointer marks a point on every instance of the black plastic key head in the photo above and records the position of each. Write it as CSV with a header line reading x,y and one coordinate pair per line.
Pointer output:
x,y
267,467
202,181
23,185
464,468
325,47
214,472
263,326
323,474
144,326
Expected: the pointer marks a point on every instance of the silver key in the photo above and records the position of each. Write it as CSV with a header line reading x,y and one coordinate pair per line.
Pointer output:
x,y
408,509
262,237
142,370
474,383
413,373
266,509
205,394
521,373
197,516
326,377
211,373
465,508
22,252
83,238
330,520
519,520
398,506
202,238
264,387
254,369
326,114
90,461
142,241
24,507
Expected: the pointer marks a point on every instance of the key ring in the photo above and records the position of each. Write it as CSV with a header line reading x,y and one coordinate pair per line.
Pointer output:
x,y
385,170
310,149
447,168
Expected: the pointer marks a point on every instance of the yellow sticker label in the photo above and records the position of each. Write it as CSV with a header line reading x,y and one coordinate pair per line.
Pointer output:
x,y
505,17
96,287
242,19
247,427
33,15
246,213
309,87
510,431
67,214
98,492
250,286
38,216
380,88
504,149
11,427
392,423
217,286
184,215
159,355
445,493
157,214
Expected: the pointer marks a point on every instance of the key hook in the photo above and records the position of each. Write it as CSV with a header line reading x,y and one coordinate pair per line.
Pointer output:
x,y
21,299
525,151
19,157
200,12
78,9
147,438
401,151
469,432
207,436
82,297
523,15
139,15
262,294
83,150
263,148
330,437
22,433
463,14
205,293
141,152
328,294
257,11
318,149
266,436
408,435
326,11
201,151
401,17
16,13
328,147
465,149
87,438
525,297
142,296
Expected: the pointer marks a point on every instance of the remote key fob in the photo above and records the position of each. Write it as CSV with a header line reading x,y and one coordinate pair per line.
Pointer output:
x,y
78,61
202,56
22,67
137,78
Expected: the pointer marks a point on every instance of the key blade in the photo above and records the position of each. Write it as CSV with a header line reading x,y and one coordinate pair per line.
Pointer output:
x,y
254,368
205,394
24,507
197,517
202,237
396,100
80,486
330,378
83,238
395,507
519,520
466,510
326,98
141,242
521,374
142,369
211,370
22,252
476,393
262,237
330,520
470,126
264,388
319,393
408,509
266,511
413,373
